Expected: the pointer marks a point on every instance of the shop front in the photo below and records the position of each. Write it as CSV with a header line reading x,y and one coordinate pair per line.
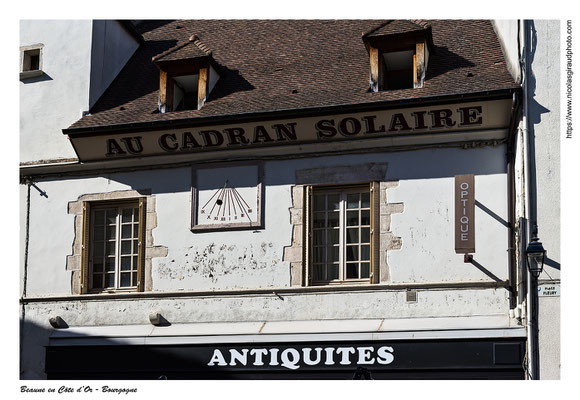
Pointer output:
x,y
433,355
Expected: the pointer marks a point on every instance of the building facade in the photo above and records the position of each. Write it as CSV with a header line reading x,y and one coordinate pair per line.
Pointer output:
x,y
275,199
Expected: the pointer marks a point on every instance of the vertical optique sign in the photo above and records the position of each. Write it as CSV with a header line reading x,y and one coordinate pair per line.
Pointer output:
x,y
464,214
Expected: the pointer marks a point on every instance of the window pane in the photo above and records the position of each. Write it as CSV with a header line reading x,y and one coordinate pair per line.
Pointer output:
x,y
126,215
125,247
111,217
111,251
333,253
365,200
110,280
333,202
98,249
319,254
320,202
318,272
135,215
352,235
365,235
352,218
98,265
365,217
352,200
319,220
319,237
135,262
126,231
97,281
135,246
352,271
136,230
125,263
332,271
134,277
351,253
333,218
333,236
99,233
365,251
365,270
111,232
99,218
125,279
110,264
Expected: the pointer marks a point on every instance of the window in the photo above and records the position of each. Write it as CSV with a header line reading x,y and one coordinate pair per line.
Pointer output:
x,y
185,92
31,61
341,242
114,254
399,70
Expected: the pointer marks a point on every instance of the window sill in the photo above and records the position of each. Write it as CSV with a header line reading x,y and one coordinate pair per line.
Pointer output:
x,y
31,74
350,282
111,291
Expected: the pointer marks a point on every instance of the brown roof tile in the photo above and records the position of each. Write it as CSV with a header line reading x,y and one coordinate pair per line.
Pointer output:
x,y
396,26
192,48
271,65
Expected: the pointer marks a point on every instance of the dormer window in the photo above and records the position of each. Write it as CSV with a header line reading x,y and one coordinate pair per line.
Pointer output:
x,y
398,54
187,74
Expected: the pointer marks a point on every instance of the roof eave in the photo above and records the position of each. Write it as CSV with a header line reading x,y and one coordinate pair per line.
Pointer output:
x,y
303,112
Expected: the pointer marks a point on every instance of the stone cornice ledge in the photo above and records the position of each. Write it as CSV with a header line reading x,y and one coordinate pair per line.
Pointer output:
x,y
477,285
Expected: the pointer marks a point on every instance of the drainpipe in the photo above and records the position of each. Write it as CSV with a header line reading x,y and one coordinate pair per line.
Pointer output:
x,y
25,272
530,211
511,192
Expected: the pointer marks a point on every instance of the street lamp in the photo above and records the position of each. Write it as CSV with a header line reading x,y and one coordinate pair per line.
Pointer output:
x,y
535,254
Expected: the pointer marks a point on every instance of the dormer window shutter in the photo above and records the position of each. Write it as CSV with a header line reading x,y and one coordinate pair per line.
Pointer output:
x,y
202,87
185,74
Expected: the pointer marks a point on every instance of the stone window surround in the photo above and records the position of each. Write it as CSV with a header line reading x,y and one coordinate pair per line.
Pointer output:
x,y
31,73
73,261
341,175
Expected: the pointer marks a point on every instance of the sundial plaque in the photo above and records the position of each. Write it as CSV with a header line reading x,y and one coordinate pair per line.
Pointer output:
x,y
227,197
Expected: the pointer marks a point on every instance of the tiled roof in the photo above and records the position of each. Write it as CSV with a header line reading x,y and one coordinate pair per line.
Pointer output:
x,y
271,65
396,26
183,51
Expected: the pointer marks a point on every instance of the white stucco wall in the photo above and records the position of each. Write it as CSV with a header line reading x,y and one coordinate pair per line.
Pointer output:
x,y
507,31
545,115
112,47
549,334
55,100
426,229
253,258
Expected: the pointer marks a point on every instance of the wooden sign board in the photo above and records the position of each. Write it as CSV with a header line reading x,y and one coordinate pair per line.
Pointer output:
x,y
475,118
465,214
